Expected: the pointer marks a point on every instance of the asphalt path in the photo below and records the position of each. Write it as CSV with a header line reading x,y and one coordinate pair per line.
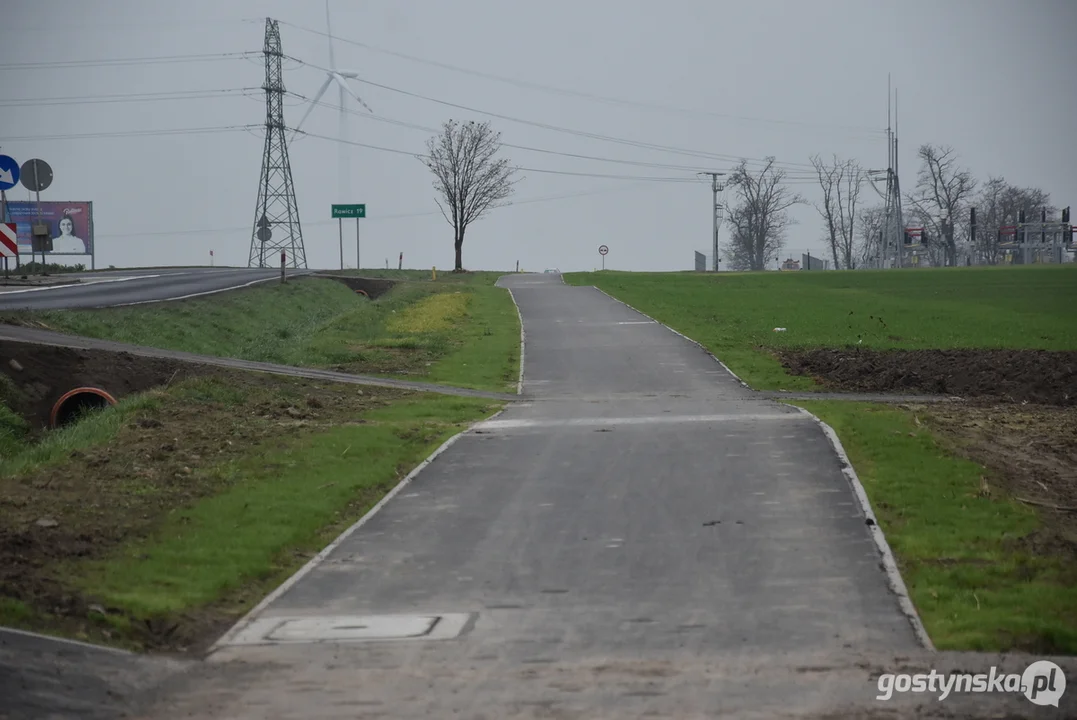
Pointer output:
x,y
128,287
642,536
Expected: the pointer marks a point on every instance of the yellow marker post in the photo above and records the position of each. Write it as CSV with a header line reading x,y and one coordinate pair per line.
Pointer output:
x,y
434,273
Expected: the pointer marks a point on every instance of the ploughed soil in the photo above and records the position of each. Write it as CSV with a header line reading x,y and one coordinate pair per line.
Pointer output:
x,y
41,374
95,500
1031,453
1035,376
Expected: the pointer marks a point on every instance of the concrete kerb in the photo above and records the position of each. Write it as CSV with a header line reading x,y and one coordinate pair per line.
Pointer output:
x,y
320,557
893,574
667,327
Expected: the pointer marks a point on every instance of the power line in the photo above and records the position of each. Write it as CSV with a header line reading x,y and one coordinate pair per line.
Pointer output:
x,y
374,218
425,128
131,97
585,95
580,133
151,60
131,133
419,156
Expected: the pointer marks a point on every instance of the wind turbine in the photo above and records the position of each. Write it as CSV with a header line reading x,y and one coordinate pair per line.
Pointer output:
x,y
340,78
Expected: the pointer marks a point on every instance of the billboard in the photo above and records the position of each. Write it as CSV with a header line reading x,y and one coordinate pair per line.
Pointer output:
x,y
70,226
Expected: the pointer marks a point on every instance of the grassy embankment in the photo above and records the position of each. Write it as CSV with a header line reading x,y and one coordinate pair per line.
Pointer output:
x,y
158,522
459,331
966,548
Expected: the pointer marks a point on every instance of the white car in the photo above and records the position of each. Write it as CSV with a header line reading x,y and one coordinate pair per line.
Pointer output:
x,y
553,270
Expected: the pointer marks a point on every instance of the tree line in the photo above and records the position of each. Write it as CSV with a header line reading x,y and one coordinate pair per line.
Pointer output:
x,y
471,178
941,202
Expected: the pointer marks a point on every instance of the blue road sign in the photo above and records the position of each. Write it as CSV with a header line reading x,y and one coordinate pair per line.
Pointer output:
x,y
9,172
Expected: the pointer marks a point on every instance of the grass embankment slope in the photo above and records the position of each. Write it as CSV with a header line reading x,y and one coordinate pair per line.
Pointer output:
x,y
985,571
459,331
156,523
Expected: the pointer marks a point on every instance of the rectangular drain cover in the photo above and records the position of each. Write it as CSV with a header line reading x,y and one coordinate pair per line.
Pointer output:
x,y
350,628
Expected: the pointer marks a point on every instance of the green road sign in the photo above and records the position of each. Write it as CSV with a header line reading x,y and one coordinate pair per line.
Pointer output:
x,y
355,211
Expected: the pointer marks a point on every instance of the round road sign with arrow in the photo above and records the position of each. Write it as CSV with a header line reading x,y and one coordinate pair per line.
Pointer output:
x,y
36,175
602,249
9,172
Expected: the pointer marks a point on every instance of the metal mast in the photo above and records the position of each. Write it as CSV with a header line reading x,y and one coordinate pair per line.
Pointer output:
x,y
276,216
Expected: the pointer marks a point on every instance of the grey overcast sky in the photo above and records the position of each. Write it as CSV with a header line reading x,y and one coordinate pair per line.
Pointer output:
x,y
790,78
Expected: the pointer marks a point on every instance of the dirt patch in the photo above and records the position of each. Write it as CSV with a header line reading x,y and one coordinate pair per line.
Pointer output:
x,y
1035,376
373,288
164,457
1031,454
45,373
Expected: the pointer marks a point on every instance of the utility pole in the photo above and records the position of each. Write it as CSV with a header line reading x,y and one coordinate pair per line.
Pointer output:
x,y
719,211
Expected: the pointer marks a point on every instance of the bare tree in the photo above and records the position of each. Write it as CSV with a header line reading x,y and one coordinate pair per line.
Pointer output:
x,y
760,217
872,223
943,191
469,177
841,183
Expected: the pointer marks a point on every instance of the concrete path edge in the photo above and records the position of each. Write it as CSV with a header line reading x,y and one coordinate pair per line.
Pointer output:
x,y
893,574
889,563
321,556
519,315
698,344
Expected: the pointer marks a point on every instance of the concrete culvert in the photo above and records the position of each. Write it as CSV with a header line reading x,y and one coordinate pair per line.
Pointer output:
x,y
74,403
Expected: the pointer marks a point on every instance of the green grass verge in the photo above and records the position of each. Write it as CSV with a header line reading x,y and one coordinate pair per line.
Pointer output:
x,y
188,525
279,502
960,553
734,314
321,323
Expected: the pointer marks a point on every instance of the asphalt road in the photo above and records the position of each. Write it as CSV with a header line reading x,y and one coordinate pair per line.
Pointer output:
x,y
124,287
641,536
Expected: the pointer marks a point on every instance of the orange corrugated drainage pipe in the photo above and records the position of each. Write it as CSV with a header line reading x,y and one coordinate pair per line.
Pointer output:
x,y
77,401
363,293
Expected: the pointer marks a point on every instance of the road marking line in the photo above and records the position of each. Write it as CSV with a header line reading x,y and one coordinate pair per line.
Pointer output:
x,y
78,284
602,422
207,292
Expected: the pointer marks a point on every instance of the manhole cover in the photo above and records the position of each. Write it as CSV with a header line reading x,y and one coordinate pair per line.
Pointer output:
x,y
350,628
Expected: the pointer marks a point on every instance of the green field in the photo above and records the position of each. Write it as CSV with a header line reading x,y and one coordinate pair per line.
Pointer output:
x,y
734,314
314,322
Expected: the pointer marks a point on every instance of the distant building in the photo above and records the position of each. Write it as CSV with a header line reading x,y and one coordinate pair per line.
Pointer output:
x,y
791,264
814,262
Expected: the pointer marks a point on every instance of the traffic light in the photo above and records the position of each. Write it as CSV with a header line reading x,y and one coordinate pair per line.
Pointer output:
x,y
1021,226
972,225
908,238
1065,214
